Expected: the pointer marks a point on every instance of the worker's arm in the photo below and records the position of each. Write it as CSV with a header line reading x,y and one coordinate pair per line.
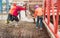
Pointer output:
x,y
35,14
22,8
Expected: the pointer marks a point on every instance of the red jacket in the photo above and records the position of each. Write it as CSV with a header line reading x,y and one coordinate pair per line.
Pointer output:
x,y
14,10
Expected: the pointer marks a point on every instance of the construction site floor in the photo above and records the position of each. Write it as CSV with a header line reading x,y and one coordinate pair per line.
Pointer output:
x,y
24,30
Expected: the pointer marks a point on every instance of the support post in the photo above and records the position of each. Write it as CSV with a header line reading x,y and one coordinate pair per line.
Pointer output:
x,y
0,6
7,6
48,10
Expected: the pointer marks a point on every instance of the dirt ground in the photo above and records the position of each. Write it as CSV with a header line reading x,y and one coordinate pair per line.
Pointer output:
x,y
24,30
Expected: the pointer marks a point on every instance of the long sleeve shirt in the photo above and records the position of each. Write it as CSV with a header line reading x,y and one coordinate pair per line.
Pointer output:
x,y
38,12
14,10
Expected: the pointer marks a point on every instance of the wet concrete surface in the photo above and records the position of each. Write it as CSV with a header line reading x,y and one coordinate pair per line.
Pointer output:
x,y
24,30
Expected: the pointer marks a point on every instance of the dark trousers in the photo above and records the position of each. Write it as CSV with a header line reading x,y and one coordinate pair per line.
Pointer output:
x,y
39,21
12,18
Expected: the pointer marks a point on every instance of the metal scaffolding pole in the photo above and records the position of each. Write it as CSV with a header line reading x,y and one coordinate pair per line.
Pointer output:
x,y
7,6
0,6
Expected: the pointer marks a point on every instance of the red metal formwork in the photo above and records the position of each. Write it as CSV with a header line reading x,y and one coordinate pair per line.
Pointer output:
x,y
49,5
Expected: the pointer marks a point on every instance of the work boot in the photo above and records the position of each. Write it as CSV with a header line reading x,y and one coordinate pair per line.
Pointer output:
x,y
41,29
36,28
7,22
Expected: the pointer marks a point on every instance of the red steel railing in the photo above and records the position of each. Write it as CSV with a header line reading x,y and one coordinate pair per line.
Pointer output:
x,y
49,5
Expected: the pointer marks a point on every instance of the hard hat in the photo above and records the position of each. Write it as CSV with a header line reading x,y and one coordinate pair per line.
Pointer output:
x,y
36,6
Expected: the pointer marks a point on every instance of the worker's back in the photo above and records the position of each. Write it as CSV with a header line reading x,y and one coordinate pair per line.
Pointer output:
x,y
39,11
12,10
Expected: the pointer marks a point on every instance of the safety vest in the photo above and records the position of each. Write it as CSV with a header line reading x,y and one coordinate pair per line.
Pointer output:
x,y
12,10
38,12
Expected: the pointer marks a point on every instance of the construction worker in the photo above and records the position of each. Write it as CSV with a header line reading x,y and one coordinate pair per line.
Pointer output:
x,y
39,14
13,13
